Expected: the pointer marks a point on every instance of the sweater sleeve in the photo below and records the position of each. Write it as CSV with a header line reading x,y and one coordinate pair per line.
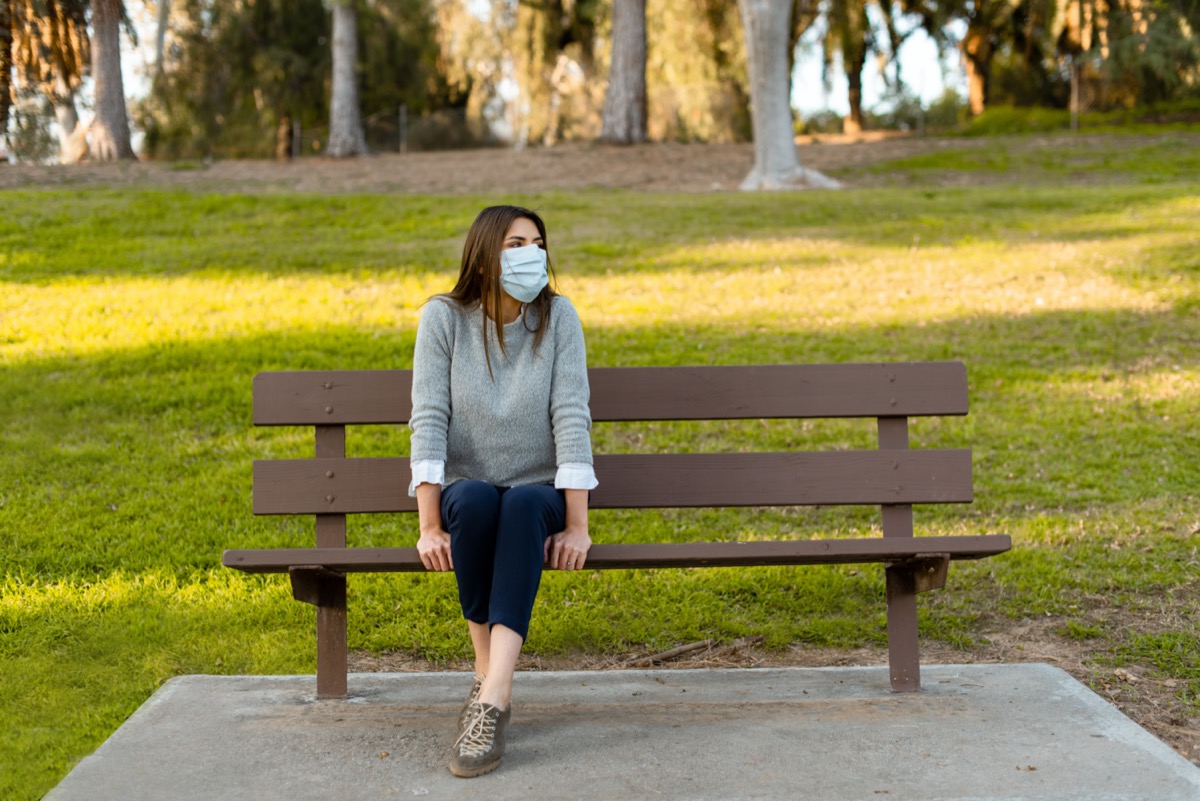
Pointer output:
x,y
570,417
431,408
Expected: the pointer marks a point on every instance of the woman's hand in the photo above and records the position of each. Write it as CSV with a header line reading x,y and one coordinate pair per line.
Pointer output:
x,y
433,546
567,550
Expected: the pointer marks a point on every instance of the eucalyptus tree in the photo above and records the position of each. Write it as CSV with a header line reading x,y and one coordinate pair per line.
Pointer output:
x,y
1140,51
109,132
625,99
346,136
697,81
45,42
6,67
848,34
766,24
252,79
160,35
536,44
238,80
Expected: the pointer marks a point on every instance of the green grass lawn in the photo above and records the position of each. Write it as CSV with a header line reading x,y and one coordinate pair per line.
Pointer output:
x,y
132,323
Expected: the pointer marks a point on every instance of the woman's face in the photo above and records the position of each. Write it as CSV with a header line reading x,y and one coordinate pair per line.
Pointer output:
x,y
522,232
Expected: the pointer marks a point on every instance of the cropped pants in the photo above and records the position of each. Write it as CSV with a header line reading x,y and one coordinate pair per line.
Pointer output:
x,y
497,540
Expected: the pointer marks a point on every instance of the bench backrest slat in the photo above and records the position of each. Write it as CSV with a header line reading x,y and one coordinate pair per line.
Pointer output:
x,y
366,397
338,486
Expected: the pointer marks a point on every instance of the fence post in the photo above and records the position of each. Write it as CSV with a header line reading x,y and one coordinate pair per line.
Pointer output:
x,y
296,138
403,127
1074,94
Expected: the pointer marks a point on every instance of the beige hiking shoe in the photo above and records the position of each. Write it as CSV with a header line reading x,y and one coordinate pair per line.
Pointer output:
x,y
472,697
480,744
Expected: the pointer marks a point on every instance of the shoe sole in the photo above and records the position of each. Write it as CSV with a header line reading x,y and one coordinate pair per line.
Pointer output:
x,y
470,773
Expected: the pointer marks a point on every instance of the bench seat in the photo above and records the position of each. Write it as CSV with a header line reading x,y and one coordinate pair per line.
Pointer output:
x,y
648,555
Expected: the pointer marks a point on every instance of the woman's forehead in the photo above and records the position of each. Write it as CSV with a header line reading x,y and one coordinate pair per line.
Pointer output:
x,y
524,228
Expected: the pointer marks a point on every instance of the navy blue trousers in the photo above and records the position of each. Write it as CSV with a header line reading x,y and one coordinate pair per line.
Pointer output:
x,y
497,540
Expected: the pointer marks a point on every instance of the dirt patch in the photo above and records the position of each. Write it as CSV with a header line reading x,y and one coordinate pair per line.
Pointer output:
x,y
1151,703
658,167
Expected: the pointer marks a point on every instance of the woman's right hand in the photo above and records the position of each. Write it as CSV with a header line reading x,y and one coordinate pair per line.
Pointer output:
x,y
433,546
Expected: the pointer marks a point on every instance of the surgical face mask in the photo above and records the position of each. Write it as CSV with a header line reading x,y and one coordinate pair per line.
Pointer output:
x,y
523,272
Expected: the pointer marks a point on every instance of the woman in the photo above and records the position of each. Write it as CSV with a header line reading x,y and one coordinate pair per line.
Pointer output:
x,y
501,453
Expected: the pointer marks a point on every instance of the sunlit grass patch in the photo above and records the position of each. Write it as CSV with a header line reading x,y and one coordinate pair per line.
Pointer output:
x,y
81,316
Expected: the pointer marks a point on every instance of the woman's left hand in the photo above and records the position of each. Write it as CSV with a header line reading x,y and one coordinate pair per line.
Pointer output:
x,y
567,550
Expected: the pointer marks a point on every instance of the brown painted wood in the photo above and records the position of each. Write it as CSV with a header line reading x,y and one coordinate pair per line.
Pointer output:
x,y
327,588
929,570
639,481
894,477
315,584
330,397
778,391
331,528
782,479
904,652
331,641
606,556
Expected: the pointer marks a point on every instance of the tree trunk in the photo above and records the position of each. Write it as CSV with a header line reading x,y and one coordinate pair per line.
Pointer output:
x,y
346,136
535,53
160,39
72,140
855,57
6,63
110,131
283,139
67,116
977,57
625,99
765,23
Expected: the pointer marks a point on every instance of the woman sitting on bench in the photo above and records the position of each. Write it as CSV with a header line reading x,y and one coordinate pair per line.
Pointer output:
x,y
501,453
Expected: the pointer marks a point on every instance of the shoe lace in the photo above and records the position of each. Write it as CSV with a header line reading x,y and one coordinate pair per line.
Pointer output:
x,y
479,734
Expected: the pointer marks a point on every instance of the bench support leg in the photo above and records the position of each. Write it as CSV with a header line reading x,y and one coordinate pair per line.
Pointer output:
x,y
331,642
326,590
904,661
331,605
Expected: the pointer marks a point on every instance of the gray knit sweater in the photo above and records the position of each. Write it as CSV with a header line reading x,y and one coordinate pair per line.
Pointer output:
x,y
517,428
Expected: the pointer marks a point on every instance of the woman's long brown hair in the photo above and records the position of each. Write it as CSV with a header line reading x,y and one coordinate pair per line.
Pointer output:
x,y
479,274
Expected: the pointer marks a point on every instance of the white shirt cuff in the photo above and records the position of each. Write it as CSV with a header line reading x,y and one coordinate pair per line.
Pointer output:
x,y
426,471
575,475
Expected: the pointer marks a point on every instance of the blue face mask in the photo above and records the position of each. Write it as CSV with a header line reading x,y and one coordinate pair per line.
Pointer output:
x,y
523,272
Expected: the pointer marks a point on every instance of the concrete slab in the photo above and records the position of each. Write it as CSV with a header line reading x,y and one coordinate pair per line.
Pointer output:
x,y
978,732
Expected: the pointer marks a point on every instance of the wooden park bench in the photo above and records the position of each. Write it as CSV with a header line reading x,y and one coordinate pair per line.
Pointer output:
x,y
893,476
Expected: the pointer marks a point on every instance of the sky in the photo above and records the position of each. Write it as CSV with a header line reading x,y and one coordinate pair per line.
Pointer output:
x,y
925,74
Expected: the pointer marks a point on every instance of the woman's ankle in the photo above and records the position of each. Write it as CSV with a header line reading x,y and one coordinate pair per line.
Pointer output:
x,y
498,696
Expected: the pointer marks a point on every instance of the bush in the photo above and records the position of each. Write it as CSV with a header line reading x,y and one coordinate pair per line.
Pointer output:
x,y
900,111
903,111
822,122
29,136
1001,120
948,111
1004,120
